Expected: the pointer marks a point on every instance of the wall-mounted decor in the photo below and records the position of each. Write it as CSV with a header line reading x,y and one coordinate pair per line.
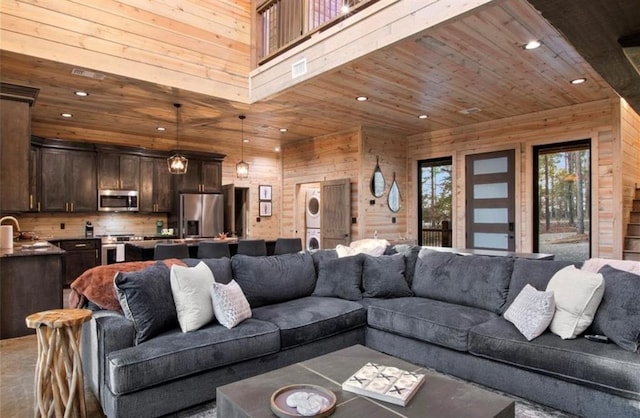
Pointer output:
x,y
377,181
394,196
265,192
265,208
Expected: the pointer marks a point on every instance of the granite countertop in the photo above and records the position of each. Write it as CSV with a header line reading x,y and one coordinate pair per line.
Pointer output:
x,y
27,248
149,244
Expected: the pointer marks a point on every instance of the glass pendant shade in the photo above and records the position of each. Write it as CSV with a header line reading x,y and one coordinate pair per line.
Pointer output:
x,y
177,163
242,168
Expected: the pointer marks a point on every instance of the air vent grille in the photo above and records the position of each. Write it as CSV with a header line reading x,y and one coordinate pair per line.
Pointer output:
x,y
470,111
299,68
89,74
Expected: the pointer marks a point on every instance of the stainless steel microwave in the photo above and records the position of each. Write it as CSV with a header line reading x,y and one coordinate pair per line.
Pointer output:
x,y
118,200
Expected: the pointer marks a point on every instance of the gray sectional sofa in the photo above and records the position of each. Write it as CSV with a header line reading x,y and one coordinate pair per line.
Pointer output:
x,y
438,310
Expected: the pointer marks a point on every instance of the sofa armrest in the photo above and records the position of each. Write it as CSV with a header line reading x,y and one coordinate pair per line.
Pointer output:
x,y
107,331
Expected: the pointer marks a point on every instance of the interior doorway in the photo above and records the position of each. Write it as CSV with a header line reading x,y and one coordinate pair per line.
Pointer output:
x,y
236,210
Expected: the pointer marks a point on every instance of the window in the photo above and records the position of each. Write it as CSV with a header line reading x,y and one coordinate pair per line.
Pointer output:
x,y
562,209
435,198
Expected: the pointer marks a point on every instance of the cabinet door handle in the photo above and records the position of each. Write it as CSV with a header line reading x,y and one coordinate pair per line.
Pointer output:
x,y
38,206
66,207
30,201
80,245
71,206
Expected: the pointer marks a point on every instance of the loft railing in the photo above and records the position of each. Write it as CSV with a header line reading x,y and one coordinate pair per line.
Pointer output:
x,y
282,24
437,237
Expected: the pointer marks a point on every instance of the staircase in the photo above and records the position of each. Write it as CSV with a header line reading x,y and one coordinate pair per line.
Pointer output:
x,y
632,240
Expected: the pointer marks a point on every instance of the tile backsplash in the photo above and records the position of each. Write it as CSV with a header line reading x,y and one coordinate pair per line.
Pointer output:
x,y
48,226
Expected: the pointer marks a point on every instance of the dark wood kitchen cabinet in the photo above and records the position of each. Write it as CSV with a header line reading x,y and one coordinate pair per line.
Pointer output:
x,y
202,176
156,191
80,256
118,171
15,122
68,180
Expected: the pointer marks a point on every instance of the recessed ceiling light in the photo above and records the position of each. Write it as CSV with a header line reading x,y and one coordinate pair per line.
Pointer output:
x,y
362,98
245,140
283,130
578,80
66,115
423,117
277,149
532,45
161,128
81,93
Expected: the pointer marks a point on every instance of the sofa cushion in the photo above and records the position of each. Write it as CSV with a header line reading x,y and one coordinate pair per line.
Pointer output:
x,y
469,280
618,316
410,253
146,299
190,288
174,355
274,279
229,304
577,294
605,367
433,321
340,278
220,267
384,277
531,312
537,273
319,255
304,320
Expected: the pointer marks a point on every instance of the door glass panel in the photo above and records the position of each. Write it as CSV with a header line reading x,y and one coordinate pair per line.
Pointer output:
x,y
491,191
434,204
489,240
491,216
562,207
491,166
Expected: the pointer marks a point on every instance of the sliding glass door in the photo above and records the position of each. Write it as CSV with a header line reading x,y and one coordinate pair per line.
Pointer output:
x,y
435,197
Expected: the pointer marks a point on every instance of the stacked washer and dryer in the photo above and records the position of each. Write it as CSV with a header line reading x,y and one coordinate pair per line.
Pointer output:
x,y
312,209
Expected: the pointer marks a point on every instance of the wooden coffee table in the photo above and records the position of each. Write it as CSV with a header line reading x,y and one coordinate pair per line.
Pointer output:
x,y
439,396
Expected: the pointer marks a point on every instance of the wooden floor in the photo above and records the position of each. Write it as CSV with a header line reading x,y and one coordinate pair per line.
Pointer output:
x,y
18,358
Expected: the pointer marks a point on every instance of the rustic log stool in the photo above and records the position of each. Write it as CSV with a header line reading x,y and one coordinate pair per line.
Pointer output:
x,y
59,383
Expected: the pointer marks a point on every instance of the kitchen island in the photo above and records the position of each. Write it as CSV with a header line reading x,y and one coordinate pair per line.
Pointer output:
x,y
143,250
30,281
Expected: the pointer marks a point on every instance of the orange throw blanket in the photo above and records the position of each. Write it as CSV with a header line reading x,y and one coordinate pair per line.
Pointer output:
x,y
96,284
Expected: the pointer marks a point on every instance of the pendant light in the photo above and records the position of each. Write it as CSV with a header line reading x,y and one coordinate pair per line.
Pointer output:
x,y
177,163
242,168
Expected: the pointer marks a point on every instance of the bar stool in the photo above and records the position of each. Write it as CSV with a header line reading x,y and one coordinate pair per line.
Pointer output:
x,y
287,246
164,251
207,249
59,382
254,247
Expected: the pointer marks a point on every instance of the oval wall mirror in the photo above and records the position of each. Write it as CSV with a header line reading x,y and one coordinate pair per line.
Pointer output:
x,y
394,195
377,181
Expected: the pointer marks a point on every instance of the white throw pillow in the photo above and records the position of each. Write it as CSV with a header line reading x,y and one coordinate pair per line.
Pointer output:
x,y
595,264
229,304
190,288
577,294
531,311
371,246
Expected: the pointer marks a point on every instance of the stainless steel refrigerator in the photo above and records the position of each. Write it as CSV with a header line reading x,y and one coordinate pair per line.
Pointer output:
x,y
200,215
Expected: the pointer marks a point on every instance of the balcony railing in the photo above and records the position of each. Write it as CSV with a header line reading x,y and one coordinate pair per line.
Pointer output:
x,y
285,23
437,237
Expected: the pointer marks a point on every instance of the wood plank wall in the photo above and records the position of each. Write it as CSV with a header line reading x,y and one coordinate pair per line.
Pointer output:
x,y
630,159
391,148
180,43
597,120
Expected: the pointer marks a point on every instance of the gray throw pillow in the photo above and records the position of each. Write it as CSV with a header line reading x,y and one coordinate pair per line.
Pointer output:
x,y
618,316
146,299
384,277
273,279
340,277
536,273
220,267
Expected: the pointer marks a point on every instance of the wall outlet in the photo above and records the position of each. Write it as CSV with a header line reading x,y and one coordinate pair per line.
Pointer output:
x,y
393,220
61,225
258,219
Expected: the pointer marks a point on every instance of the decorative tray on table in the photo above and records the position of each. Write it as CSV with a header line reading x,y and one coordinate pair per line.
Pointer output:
x,y
388,384
303,401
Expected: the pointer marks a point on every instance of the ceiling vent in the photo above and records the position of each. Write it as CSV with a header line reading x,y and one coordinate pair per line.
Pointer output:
x,y
88,74
470,111
299,68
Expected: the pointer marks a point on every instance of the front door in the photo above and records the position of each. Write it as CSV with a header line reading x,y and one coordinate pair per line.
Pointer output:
x,y
490,197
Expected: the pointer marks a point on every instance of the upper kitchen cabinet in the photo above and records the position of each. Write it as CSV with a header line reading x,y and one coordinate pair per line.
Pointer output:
x,y
156,191
68,180
118,171
15,134
203,176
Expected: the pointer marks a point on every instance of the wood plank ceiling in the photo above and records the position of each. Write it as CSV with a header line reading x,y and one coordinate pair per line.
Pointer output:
x,y
474,61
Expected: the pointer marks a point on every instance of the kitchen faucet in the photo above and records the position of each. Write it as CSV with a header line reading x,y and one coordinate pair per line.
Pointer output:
x,y
11,218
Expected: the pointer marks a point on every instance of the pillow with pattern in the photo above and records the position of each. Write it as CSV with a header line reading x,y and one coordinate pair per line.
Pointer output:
x,y
230,306
531,312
